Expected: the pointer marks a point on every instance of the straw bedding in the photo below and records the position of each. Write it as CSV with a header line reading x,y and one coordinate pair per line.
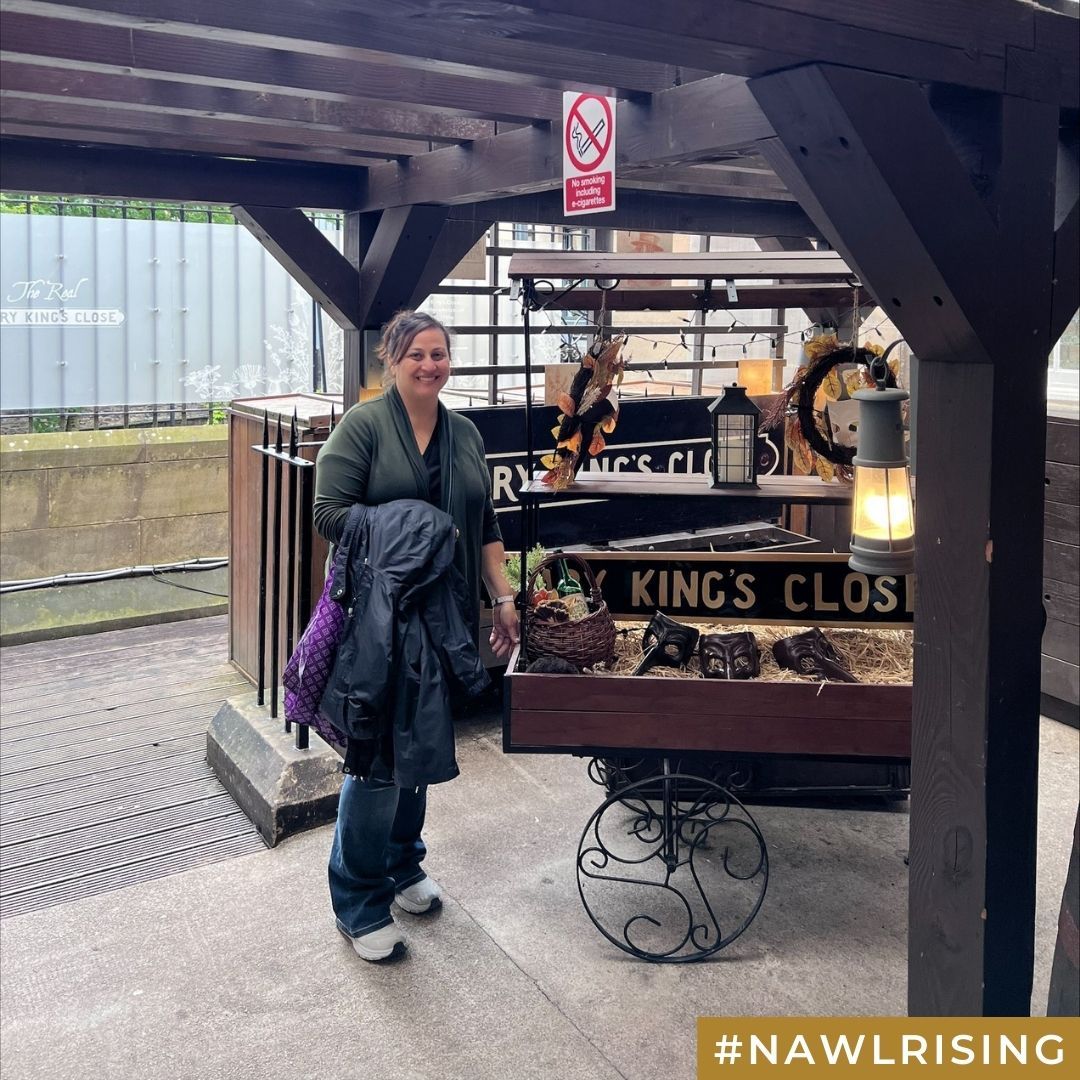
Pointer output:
x,y
871,655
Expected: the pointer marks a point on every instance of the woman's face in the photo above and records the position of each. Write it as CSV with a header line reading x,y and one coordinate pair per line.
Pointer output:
x,y
422,372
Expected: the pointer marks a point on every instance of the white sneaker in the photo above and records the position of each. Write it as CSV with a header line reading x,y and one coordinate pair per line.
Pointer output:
x,y
379,944
420,897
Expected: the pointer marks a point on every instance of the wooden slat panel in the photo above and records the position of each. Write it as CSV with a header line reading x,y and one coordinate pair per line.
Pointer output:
x,y
1061,680
673,697
1062,483
1063,441
788,489
708,731
1062,601
1061,562
751,296
822,266
1061,641
1062,522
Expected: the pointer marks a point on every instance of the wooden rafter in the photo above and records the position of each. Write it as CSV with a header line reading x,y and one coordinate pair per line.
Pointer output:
x,y
358,116
178,124
309,257
372,33
998,45
659,211
686,123
148,53
39,165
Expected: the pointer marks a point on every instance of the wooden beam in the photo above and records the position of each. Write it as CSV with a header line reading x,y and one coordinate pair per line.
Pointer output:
x,y
208,146
980,325
394,260
656,211
820,265
929,280
60,168
455,239
1066,272
686,123
179,124
998,45
379,35
148,53
750,297
358,116
309,257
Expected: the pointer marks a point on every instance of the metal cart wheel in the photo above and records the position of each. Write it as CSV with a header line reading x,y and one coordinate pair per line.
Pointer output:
x,y
672,869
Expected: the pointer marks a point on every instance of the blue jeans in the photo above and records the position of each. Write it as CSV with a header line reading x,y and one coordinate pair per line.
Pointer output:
x,y
377,849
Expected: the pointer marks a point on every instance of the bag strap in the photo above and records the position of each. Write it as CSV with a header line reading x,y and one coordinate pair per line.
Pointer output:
x,y
340,570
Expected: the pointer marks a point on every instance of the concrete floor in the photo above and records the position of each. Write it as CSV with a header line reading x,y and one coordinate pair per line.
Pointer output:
x,y
235,971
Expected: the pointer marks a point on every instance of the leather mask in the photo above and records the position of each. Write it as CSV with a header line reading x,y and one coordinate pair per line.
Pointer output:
x,y
666,641
811,653
729,656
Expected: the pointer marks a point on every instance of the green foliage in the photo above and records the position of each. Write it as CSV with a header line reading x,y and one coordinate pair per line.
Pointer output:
x,y
43,423
513,565
133,209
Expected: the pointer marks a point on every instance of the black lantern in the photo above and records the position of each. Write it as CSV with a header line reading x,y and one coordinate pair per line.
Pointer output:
x,y
883,520
735,420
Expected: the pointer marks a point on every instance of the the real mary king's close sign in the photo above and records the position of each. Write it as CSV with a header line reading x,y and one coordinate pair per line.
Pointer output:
x,y
819,590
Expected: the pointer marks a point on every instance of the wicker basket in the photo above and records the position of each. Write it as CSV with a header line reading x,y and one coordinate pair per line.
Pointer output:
x,y
584,642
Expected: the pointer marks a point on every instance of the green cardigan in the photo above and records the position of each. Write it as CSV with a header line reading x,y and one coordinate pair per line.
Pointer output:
x,y
371,457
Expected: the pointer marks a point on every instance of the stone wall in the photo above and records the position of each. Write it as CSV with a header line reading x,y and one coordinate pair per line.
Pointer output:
x,y
101,500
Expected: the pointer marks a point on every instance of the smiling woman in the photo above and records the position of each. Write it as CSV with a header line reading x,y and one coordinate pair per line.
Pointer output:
x,y
417,471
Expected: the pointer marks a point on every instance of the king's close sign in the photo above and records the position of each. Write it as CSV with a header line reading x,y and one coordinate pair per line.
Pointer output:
x,y
588,153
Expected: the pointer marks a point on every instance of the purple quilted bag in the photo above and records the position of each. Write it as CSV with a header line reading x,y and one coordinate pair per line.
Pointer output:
x,y
308,670
309,667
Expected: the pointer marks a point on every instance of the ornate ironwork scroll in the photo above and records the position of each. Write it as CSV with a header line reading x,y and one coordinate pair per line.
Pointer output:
x,y
671,868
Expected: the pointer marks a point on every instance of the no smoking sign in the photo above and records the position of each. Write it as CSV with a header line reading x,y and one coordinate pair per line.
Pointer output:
x,y
588,153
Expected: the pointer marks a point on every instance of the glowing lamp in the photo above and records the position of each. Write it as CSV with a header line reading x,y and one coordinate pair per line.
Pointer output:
x,y
883,519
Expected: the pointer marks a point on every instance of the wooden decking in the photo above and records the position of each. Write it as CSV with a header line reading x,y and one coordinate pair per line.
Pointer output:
x,y
103,777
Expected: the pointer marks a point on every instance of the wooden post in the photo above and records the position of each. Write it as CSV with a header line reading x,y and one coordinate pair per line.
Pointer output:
x,y
879,173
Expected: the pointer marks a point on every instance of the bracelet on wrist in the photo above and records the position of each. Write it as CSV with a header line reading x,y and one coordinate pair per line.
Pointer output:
x,y
509,598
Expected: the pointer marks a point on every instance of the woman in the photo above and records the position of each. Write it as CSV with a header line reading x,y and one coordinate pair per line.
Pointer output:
x,y
405,445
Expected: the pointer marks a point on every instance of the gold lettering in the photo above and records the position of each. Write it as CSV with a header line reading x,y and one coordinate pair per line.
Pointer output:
x,y
789,593
856,605
744,583
664,588
639,582
909,593
684,587
820,603
712,596
889,603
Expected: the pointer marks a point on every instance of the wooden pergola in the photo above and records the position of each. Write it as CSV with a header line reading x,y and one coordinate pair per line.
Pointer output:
x,y
933,144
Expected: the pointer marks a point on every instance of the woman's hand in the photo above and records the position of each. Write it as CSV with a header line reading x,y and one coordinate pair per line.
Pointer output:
x,y
504,629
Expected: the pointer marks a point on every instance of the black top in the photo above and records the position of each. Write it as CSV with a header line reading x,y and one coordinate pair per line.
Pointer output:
x,y
434,468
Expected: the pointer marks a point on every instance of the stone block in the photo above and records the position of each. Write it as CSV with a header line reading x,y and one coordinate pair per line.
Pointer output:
x,y
45,552
186,443
173,539
281,789
179,488
24,501
92,496
70,449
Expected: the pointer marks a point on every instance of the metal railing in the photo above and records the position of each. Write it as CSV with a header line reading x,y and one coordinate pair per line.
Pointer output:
x,y
286,510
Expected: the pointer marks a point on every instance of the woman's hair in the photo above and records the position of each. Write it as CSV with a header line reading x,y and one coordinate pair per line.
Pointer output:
x,y
398,334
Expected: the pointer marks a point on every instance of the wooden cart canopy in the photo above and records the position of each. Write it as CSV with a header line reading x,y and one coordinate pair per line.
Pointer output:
x,y
360,105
